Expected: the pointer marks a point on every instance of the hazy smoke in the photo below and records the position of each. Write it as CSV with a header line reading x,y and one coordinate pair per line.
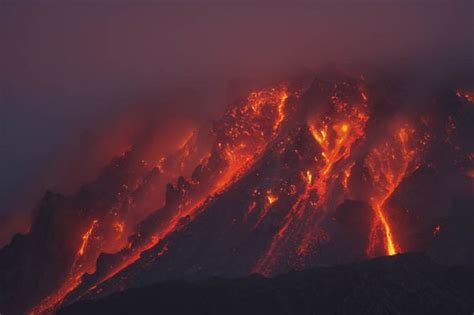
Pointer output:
x,y
112,69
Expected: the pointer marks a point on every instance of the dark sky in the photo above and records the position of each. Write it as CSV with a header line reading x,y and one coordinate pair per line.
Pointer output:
x,y
67,66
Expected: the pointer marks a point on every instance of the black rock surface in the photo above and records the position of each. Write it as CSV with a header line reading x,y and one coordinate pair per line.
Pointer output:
x,y
403,284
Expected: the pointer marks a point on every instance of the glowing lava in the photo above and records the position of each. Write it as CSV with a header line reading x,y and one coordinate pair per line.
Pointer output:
x,y
73,279
85,238
243,141
333,141
388,165
241,136
271,198
335,133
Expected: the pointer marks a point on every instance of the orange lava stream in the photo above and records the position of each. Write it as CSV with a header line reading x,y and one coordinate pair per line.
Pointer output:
x,y
340,149
281,110
346,175
85,238
387,165
72,281
347,126
389,242
226,181
245,141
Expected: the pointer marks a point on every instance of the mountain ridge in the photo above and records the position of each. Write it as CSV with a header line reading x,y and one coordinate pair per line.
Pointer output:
x,y
408,283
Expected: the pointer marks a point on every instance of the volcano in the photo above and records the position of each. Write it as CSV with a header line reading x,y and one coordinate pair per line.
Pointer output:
x,y
301,174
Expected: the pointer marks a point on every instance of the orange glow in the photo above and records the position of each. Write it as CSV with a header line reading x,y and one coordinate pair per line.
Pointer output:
x,y
335,135
85,238
278,96
271,198
336,142
309,177
437,230
281,110
346,175
71,281
316,178
388,165
344,128
248,128
389,243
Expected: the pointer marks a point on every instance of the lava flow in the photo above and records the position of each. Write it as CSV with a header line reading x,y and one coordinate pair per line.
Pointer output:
x,y
86,237
288,178
387,165
73,278
347,127
242,135
335,134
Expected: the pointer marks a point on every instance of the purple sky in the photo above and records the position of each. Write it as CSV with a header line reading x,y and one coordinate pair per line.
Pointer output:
x,y
67,66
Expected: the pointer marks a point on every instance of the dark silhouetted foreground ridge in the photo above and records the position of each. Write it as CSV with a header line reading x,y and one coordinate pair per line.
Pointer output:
x,y
402,284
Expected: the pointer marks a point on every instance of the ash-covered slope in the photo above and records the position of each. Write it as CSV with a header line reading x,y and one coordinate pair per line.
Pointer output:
x,y
402,284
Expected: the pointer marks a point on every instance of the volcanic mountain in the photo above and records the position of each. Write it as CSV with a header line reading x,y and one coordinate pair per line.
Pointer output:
x,y
293,176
